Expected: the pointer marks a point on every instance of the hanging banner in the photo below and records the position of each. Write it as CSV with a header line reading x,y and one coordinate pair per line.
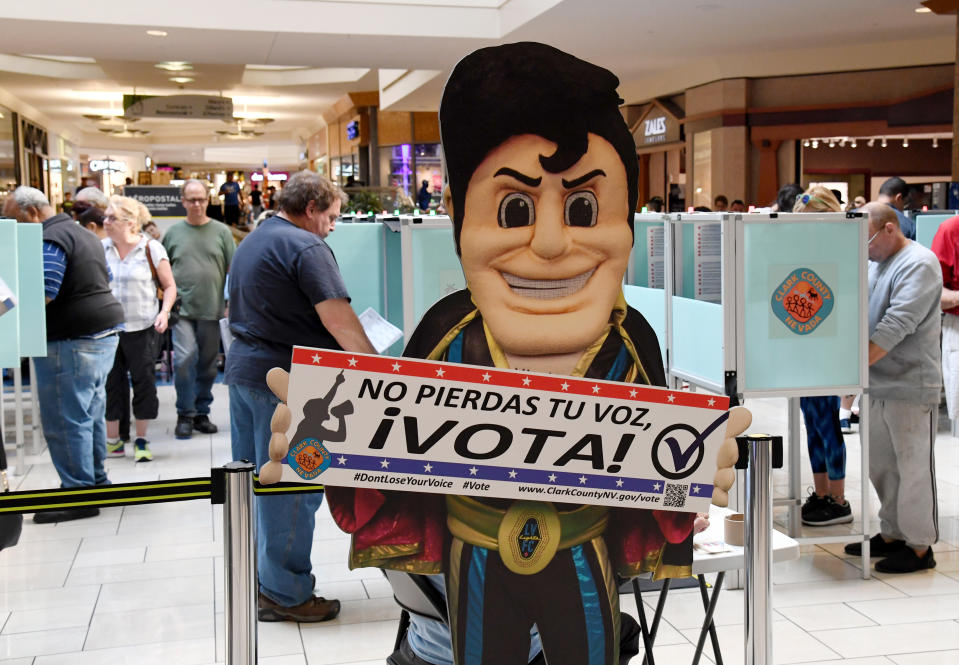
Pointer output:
x,y
209,107
425,426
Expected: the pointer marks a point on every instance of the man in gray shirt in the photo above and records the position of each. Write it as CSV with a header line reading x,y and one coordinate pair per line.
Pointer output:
x,y
905,283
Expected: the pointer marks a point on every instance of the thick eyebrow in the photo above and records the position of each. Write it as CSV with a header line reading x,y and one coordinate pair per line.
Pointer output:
x,y
576,182
525,179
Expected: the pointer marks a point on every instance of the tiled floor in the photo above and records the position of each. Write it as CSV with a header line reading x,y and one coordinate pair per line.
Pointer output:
x,y
143,585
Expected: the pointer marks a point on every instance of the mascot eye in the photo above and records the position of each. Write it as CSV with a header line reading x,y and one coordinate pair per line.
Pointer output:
x,y
516,209
581,209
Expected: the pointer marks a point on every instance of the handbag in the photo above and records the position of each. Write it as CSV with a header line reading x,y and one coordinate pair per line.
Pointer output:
x,y
10,524
174,315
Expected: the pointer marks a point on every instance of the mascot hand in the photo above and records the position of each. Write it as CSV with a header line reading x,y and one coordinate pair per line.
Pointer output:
x,y
739,421
279,382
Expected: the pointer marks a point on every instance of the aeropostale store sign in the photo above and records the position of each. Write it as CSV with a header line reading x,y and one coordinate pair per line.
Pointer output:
x,y
426,426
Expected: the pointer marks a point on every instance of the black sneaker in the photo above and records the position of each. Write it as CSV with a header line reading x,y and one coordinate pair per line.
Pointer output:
x,y
877,547
202,424
66,515
830,512
813,503
905,560
184,427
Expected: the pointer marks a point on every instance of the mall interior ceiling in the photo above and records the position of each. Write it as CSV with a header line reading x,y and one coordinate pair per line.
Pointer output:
x,y
285,63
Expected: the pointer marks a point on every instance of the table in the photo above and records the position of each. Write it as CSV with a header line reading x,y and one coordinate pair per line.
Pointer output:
x,y
733,558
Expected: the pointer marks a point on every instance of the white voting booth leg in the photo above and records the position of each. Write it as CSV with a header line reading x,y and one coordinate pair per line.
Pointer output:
x,y
36,431
239,559
795,468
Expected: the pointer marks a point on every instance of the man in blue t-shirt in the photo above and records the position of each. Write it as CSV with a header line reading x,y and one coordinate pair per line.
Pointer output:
x,y
232,200
894,193
285,289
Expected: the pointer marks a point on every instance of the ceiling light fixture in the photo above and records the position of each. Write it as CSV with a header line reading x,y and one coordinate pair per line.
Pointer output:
x,y
852,143
871,142
182,79
905,143
842,143
815,144
923,10
805,143
832,143
935,142
883,144
174,66
157,33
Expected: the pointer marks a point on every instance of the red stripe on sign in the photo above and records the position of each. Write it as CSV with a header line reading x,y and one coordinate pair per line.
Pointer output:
x,y
491,376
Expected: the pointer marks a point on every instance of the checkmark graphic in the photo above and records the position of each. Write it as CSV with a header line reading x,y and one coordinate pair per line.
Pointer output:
x,y
681,457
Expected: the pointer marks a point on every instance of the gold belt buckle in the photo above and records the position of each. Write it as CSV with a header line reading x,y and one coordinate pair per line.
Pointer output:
x,y
529,536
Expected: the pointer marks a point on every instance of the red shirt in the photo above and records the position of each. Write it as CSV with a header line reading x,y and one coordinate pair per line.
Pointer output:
x,y
946,247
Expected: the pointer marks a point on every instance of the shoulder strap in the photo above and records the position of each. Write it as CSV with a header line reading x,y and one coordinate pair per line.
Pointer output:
x,y
153,270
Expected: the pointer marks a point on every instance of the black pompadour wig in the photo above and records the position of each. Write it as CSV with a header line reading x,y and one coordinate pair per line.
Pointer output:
x,y
529,88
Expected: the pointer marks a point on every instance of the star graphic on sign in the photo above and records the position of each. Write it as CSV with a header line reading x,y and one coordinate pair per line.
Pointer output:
x,y
564,385
671,398
696,489
619,482
428,467
385,464
512,473
657,486
595,390
632,393
341,460
352,362
316,358
486,376
396,367
526,381
473,470
552,477
711,401
582,480
440,372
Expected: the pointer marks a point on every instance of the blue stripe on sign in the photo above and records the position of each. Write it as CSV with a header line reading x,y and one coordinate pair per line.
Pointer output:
x,y
595,633
476,589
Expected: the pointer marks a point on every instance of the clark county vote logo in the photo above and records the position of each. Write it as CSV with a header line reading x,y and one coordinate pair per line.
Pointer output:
x,y
802,301
309,458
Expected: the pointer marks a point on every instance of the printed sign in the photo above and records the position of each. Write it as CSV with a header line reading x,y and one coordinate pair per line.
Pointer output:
x,y
210,107
802,301
425,426
160,201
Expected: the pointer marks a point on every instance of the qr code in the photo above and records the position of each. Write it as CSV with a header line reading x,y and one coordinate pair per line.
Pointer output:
x,y
675,496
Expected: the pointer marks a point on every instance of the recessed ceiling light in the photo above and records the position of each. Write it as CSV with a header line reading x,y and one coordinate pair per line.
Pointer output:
x,y
157,33
182,79
174,66
923,10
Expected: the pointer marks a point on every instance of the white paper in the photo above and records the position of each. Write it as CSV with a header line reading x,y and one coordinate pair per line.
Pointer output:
x,y
708,261
425,426
7,299
381,333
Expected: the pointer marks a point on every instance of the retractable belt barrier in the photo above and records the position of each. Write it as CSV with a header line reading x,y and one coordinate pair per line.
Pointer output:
x,y
131,494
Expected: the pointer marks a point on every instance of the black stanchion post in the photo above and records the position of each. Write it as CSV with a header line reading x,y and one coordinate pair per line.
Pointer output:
x,y
233,486
763,452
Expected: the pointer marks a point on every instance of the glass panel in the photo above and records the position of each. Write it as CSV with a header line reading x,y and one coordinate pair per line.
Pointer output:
x,y
651,303
436,268
698,339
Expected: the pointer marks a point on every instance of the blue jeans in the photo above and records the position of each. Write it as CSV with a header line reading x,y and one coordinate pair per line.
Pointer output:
x,y
195,347
284,524
71,389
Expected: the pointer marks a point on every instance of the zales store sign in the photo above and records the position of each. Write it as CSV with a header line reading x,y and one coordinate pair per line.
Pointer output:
x,y
656,127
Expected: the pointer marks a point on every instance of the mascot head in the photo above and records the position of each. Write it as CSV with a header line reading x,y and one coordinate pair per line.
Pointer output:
x,y
543,174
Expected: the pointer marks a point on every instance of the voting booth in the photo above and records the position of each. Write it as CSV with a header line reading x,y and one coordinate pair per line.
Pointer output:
x,y
23,329
645,288
927,223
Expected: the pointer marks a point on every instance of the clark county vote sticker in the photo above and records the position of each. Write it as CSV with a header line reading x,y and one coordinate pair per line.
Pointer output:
x,y
802,301
308,458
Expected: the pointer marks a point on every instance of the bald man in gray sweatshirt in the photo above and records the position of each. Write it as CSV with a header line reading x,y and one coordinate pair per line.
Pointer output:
x,y
905,284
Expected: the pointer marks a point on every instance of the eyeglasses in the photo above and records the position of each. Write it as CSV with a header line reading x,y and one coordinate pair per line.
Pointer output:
x,y
873,237
195,202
